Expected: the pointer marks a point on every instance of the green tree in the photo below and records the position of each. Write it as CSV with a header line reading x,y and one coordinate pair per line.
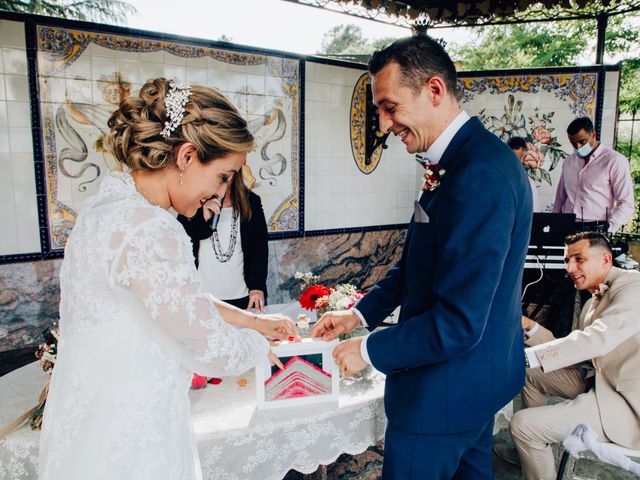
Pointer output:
x,y
628,139
115,11
518,46
543,44
629,100
345,39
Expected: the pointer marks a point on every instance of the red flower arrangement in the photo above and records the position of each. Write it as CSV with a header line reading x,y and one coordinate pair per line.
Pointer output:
x,y
315,296
312,294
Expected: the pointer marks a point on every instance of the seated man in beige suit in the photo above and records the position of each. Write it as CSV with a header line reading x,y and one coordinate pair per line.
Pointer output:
x,y
596,366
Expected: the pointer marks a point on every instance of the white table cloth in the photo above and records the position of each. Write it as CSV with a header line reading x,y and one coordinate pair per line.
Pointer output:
x,y
235,441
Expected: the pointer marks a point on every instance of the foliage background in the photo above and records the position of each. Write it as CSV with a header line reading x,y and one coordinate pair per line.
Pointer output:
x,y
548,44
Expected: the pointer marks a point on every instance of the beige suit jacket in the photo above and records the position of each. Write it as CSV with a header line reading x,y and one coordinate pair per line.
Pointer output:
x,y
609,336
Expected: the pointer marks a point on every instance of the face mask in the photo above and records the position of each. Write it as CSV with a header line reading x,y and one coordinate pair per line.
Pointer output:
x,y
584,150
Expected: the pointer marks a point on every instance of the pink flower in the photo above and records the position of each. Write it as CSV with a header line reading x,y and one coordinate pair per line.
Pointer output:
x,y
541,134
533,157
355,298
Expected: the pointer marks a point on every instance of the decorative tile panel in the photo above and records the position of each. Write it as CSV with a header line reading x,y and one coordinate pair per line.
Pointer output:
x,y
83,76
30,291
537,107
341,191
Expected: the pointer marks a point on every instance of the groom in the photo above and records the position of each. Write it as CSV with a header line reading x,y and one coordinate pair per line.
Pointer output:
x,y
456,355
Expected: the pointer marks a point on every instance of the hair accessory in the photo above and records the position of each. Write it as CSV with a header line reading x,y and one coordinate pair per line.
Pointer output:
x,y
175,102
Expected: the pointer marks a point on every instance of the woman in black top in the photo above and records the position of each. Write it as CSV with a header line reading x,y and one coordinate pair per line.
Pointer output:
x,y
219,253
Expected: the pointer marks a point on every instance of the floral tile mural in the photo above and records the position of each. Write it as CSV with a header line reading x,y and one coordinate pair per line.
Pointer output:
x,y
537,108
84,75
542,141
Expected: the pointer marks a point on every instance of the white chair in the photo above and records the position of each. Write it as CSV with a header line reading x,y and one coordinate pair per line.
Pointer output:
x,y
582,442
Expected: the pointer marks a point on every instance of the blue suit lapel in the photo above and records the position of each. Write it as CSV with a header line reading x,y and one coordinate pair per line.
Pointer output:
x,y
448,160
471,127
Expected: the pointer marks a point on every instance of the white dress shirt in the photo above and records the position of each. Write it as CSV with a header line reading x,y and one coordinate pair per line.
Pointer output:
x,y
433,155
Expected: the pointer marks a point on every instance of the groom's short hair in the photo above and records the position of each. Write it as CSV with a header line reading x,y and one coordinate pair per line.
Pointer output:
x,y
420,57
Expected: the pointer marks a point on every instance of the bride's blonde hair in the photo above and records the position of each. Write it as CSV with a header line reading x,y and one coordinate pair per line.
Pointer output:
x,y
210,122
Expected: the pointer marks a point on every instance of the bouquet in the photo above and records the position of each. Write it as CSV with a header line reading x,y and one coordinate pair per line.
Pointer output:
x,y
47,353
318,297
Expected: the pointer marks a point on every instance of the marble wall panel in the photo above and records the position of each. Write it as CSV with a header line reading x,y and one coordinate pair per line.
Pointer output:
x,y
30,291
29,296
359,258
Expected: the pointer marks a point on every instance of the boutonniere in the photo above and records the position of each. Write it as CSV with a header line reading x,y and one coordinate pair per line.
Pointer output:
x,y
432,176
600,291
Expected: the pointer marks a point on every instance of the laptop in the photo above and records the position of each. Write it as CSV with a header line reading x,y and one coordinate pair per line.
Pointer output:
x,y
550,229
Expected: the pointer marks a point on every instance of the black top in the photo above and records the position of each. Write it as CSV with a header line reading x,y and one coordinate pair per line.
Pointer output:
x,y
254,240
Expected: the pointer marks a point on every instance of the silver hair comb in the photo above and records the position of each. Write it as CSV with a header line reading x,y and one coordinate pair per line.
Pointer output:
x,y
176,100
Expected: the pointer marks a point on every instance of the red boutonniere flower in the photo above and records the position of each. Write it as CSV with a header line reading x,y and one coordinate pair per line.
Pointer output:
x,y
432,176
311,294
600,291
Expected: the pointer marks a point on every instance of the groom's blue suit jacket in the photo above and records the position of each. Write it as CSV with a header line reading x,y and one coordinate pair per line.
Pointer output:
x,y
456,355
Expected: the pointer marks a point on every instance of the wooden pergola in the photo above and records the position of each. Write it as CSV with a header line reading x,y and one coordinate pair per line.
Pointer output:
x,y
434,14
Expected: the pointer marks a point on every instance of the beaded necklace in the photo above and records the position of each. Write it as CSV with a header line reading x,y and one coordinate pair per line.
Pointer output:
x,y
222,256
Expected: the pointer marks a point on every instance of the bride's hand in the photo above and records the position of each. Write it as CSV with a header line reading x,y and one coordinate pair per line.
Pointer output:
x,y
274,360
276,326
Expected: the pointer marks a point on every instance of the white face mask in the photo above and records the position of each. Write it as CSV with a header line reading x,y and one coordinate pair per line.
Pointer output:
x,y
584,150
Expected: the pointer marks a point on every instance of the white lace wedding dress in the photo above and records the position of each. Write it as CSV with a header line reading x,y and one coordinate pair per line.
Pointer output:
x,y
135,324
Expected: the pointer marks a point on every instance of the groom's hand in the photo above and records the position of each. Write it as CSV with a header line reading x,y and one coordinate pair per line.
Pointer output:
x,y
333,324
347,356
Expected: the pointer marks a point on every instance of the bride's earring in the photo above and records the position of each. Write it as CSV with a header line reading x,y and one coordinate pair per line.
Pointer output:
x,y
181,180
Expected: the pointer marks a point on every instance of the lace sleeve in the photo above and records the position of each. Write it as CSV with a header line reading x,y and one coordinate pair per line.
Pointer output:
x,y
153,263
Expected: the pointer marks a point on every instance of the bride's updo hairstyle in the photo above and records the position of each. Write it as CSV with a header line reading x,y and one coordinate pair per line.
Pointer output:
x,y
210,122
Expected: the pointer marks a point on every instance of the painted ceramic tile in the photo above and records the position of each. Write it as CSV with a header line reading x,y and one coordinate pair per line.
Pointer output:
x,y
537,108
366,142
349,180
75,107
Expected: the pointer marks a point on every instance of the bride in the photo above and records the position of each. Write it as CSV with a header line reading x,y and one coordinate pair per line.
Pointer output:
x,y
135,321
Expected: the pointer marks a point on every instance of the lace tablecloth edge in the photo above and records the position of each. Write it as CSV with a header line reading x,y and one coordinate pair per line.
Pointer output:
x,y
353,451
